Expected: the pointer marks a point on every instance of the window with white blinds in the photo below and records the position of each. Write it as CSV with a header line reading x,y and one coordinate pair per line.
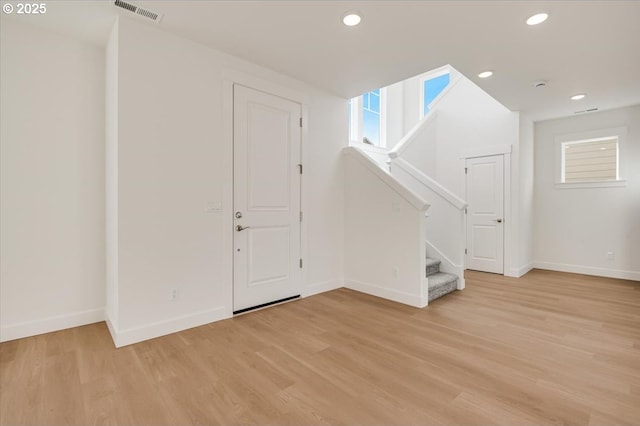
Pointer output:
x,y
594,160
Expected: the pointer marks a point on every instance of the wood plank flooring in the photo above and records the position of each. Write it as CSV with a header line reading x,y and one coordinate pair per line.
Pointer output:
x,y
548,348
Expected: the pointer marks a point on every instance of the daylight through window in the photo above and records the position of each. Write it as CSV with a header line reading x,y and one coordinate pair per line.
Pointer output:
x,y
366,118
431,88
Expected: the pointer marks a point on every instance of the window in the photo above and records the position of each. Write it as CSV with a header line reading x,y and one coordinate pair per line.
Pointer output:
x,y
366,118
431,88
353,131
593,160
371,117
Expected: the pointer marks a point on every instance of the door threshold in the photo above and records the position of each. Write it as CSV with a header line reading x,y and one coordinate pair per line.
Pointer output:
x,y
264,305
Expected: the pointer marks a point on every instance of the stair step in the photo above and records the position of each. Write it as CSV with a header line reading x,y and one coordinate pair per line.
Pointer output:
x,y
433,266
440,284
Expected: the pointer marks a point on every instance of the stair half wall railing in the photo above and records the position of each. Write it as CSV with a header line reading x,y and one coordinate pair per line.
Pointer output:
x,y
385,254
445,235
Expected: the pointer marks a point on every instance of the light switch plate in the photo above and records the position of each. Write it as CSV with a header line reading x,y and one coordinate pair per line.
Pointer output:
x,y
214,207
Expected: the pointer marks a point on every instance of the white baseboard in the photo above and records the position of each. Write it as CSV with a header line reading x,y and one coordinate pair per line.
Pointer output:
x,y
525,269
321,287
47,325
462,283
162,328
518,272
416,300
112,328
589,270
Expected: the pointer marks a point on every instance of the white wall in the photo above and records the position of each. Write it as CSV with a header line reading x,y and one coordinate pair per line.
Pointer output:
x,y
111,175
394,108
52,190
468,119
174,157
467,122
410,103
384,245
576,227
524,242
445,222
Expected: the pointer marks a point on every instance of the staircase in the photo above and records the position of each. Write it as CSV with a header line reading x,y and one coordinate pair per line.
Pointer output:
x,y
440,283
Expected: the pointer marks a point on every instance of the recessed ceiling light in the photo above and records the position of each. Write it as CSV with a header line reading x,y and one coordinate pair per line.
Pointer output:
x,y
485,74
578,97
538,18
351,19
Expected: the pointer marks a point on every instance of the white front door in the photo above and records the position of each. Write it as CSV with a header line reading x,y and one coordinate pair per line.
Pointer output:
x,y
485,214
266,197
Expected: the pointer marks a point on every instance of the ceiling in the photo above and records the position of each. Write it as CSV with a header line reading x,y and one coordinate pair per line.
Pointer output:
x,y
588,47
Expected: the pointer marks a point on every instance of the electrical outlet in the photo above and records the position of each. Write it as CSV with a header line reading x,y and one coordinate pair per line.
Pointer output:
x,y
175,294
609,255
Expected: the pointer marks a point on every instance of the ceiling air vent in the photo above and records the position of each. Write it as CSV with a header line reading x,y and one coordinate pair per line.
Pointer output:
x,y
155,17
585,111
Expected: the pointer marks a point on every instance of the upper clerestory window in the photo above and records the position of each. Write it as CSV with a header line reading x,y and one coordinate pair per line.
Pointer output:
x,y
431,88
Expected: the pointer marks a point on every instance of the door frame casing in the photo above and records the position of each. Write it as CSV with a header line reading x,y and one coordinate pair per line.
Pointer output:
x,y
230,77
509,244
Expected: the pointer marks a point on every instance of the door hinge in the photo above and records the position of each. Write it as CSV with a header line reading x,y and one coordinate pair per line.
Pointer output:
x,y
465,170
465,210
301,263
300,216
300,121
300,167
465,251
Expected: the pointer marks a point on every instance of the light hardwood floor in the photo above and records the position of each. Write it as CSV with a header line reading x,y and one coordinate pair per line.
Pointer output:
x,y
549,348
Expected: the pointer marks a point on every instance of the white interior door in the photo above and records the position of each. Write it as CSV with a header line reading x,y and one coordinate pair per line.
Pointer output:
x,y
266,196
485,214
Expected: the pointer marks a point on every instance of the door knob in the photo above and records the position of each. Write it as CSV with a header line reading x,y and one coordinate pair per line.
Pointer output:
x,y
241,228
498,220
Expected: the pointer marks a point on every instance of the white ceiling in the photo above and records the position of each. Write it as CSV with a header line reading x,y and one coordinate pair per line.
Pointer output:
x,y
584,46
